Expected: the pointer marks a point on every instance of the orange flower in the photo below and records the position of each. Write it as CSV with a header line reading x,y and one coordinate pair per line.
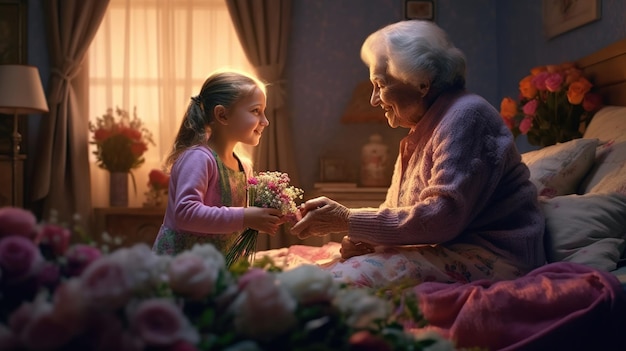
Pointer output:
x,y
527,88
508,108
577,91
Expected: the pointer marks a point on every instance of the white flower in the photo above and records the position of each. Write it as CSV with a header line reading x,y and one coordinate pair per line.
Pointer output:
x,y
210,254
362,308
308,284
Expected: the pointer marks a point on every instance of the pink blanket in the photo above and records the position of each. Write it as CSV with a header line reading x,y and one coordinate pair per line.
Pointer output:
x,y
560,306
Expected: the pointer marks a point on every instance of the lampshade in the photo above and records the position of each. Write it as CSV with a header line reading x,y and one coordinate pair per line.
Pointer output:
x,y
21,91
359,109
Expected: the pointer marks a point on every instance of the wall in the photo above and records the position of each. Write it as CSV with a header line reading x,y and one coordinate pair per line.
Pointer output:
x,y
502,40
324,67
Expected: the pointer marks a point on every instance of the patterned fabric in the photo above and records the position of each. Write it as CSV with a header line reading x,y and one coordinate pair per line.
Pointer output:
x,y
233,186
400,265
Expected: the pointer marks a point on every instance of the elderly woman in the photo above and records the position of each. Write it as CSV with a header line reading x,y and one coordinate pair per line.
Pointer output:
x,y
460,206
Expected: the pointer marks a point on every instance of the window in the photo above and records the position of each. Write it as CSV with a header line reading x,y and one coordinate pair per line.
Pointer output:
x,y
153,55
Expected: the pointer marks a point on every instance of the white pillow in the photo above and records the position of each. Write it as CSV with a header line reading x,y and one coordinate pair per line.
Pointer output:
x,y
608,124
608,173
589,229
558,169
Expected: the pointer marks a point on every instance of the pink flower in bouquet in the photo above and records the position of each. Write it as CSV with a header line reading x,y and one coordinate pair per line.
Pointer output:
x,y
19,258
38,328
55,237
159,322
17,221
105,284
365,341
264,309
78,257
191,276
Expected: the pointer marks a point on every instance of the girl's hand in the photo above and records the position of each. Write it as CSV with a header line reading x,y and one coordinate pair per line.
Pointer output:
x,y
266,220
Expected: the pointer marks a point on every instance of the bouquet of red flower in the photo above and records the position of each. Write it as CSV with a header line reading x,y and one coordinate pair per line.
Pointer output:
x,y
555,105
266,189
158,184
120,145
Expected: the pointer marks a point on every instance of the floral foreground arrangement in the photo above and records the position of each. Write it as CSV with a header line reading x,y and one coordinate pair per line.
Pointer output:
x,y
269,190
120,144
555,105
61,296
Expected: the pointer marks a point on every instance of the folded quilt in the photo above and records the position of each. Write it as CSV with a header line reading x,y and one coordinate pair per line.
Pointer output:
x,y
559,306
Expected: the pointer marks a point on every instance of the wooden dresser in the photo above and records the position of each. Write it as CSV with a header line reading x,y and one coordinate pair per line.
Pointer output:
x,y
131,224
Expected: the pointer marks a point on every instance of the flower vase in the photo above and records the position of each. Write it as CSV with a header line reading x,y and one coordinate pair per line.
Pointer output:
x,y
118,189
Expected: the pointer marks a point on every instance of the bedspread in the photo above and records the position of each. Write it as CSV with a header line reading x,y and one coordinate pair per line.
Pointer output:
x,y
559,306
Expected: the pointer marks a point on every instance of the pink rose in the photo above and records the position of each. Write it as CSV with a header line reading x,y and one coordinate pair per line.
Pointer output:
x,y
56,238
250,275
17,221
264,309
37,327
525,124
80,256
8,340
539,81
69,304
530,107
554,81
105,284
19,258
159,322
190,275
49,275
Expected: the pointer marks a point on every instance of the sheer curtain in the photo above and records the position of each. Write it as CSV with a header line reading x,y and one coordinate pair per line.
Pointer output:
x,y
153,55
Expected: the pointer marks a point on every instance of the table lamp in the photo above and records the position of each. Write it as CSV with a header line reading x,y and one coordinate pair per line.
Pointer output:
x,y
21,92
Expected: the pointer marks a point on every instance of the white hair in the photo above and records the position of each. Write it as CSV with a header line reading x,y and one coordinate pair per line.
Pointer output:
x,y
413,50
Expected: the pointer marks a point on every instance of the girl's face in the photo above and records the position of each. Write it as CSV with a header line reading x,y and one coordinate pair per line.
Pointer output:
x,y
403,103
246,118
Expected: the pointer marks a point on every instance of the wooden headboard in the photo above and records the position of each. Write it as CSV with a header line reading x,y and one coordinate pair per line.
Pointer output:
x,y
606,69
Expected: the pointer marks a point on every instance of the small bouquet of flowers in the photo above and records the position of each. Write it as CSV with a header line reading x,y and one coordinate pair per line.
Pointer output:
x,y
269,190
555,105
120,144
158,184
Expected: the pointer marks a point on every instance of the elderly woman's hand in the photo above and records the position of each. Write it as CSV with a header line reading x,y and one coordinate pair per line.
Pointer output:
x,y
321,216
351,248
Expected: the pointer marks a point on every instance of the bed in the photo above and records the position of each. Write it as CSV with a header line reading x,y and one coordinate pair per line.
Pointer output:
x,y
578,299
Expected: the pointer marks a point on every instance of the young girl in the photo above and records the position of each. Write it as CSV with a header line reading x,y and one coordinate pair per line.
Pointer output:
x,y
207,189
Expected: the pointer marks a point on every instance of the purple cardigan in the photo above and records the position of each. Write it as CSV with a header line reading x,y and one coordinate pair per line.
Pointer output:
x,y
194,202
459,179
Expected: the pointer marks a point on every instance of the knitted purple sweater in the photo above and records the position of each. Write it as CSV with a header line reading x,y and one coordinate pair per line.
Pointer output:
x,y
459,179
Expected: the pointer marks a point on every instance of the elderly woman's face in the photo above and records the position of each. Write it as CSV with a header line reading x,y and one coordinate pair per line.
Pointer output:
x,y
403,103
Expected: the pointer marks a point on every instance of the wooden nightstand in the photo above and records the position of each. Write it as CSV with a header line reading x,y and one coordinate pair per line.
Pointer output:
x,y
132,224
